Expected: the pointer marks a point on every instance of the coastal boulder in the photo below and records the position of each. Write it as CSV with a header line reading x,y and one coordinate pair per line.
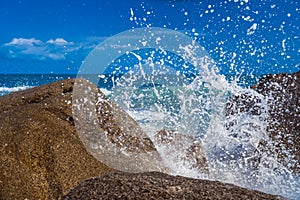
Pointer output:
x,y
43,150
282,92
275,102
156,185
42,156
110,134
181,148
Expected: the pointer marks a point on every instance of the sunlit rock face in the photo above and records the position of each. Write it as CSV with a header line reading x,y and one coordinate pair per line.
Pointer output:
x,y
42,156
42,153
275,101
110,134
52,138
122,130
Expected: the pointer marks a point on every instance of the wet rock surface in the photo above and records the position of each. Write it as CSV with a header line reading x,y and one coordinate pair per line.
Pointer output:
x,y
110,134
283,98
155,185
182,148
281,93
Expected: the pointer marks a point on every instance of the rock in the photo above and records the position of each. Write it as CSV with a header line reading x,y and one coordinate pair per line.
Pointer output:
x,y
281,94
245,102
42,155
185,149
55,136
156,185
246,116
110,134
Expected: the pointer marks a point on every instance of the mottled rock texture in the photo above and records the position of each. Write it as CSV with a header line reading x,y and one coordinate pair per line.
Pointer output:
x,y
182,148
110,134
156,185
281,92
42,157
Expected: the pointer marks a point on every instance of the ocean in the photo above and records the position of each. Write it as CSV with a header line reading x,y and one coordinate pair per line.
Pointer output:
x,y
196,108
16,82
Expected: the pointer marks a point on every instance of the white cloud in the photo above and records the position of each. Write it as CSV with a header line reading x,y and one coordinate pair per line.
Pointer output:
x,y
59,41
34,50
37,49
53,48
56,56
24,42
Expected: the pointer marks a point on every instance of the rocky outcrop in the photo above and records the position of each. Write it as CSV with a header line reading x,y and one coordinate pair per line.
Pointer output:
x,y
183,149
282,92
281,96
110,134
55,136
42,157
155,185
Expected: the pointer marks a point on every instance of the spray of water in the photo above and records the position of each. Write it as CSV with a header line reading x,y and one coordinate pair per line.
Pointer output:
x,y
166,81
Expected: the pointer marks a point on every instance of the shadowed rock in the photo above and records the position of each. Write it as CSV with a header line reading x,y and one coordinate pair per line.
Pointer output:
x,y
281,93
155,185
182,148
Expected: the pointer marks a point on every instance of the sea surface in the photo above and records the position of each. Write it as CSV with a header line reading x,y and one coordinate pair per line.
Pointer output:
x,y
16,82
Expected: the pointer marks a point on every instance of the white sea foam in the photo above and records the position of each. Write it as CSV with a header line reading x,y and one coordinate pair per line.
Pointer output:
x,y
105,91
13,89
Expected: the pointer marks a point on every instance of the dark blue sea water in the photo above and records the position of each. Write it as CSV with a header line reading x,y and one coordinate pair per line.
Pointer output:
x,y
16,82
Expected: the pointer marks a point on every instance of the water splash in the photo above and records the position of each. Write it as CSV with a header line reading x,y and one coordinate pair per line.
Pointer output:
x,y
230,135
171,83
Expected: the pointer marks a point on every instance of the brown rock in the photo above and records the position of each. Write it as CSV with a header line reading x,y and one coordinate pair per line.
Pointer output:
x,y
155,185
42,157
110,134
182,148
42,154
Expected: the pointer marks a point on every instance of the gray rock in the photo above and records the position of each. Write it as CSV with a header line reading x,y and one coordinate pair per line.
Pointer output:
x,y
282,95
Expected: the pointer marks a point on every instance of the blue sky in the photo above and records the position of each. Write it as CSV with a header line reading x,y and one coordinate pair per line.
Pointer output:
x,y
55,36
